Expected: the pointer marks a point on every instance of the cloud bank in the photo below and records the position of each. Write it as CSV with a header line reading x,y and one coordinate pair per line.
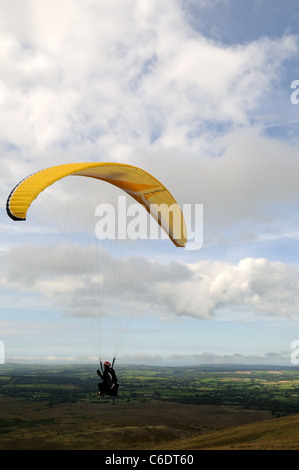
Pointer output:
x,y
200,290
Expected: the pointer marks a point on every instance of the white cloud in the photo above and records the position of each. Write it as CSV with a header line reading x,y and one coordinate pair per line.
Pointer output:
x,y
253,286
114,75
79,282
248,192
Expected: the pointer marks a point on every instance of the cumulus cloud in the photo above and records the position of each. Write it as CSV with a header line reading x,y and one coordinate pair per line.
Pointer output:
x,y
106,79
253,285
248,192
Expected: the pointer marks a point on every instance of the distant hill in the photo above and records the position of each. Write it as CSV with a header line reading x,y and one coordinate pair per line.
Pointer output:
x,y
274,434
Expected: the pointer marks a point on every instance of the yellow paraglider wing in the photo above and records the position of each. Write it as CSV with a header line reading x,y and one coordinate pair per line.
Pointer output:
x,y
139,184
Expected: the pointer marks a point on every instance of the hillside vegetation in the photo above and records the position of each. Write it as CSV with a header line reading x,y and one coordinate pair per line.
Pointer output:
x,y
276,434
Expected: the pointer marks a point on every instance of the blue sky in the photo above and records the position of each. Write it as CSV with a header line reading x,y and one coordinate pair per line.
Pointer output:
x,y
198,93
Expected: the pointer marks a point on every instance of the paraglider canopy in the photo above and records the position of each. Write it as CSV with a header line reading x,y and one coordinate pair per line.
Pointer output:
x,y
139,184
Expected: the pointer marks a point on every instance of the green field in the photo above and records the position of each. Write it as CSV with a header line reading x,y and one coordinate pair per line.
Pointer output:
x,y
249,388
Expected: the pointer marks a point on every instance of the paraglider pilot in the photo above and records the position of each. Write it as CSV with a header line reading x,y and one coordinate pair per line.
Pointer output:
x,y
109,384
